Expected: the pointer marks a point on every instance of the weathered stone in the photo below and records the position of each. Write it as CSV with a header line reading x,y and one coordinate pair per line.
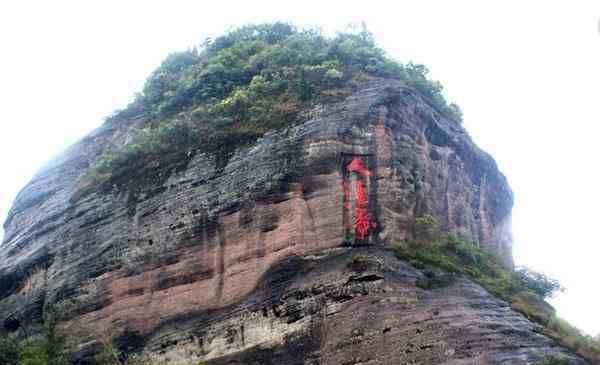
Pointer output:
x,y
324,312
204,243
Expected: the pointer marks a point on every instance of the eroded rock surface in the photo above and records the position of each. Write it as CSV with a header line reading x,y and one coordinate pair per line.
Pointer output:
x,y
200,236
326,310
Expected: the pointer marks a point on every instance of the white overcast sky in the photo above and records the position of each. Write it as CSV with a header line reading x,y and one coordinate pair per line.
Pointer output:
x,y
526,74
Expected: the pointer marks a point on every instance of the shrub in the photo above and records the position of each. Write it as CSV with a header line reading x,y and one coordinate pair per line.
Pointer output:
x,y
46,348
360,262
572,338
244,83
418,77
425,228
34,353
533,307
9,351
537,282
524,289
49,348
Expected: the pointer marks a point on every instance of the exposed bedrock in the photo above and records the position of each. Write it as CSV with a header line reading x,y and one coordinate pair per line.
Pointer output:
x,y
198,237
328,310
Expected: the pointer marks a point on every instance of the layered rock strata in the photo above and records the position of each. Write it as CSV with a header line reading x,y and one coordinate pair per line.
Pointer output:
x,y
200,236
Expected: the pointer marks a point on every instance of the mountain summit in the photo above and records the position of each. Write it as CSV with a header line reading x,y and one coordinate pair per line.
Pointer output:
x,y
277,197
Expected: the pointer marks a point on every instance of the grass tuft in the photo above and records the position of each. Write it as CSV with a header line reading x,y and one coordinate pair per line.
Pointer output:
x,y
523,289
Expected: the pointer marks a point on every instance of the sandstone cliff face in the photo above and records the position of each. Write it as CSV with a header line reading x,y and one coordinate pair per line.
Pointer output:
x,y
324,310
200,244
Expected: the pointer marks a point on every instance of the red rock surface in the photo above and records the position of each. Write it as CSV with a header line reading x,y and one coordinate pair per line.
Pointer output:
x,y
141,256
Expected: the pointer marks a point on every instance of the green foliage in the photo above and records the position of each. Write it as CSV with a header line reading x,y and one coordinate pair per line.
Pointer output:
x,y
163,82
425,228
453,254
524,289
34,353
245,83
572,338
417,76
9,351
532,306
360,262
554,361
47,348
539,283
150,142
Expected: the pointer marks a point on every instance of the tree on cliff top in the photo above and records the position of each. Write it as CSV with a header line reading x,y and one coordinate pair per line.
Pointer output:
x,y
282,56
251,80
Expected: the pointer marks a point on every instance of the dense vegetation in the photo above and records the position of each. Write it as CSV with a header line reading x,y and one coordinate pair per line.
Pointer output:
x,y
441,255
246,82
46,348
51,346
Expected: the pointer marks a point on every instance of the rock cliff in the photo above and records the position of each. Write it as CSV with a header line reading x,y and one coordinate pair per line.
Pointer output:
x,y
245,260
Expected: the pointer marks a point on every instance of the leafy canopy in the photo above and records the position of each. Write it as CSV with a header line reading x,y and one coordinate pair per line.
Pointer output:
x,y
285,59
246,82
441,256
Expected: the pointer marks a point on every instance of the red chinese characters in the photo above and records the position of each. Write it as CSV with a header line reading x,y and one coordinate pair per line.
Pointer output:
x,y
357,165
363,222
362,199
